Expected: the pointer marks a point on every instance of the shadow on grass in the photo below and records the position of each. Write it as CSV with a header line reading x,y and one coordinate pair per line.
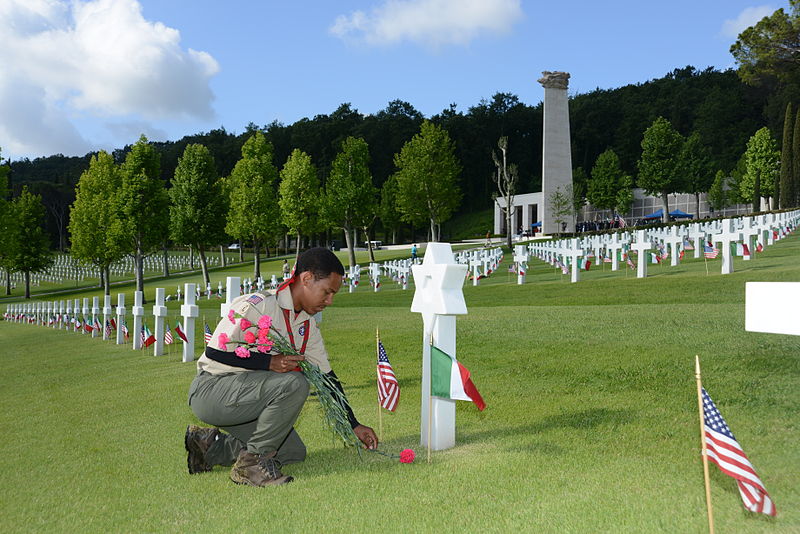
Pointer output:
x,y
338,459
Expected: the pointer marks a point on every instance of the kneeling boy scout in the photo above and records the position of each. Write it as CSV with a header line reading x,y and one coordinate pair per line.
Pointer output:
x,y
256,399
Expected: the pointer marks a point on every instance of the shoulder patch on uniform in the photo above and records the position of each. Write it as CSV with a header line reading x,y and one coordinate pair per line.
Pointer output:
x,y
255,299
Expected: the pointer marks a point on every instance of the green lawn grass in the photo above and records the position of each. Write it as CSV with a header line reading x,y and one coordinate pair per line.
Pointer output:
x,y
591,424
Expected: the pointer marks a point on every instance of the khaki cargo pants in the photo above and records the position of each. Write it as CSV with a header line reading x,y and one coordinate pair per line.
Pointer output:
x,y
257,409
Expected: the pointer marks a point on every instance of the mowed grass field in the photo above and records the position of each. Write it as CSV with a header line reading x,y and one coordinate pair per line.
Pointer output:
x,y
591,424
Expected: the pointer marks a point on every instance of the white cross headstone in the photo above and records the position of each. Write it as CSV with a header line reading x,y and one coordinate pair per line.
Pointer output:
x,y
138,314
232,285
107,310
613,248
521,261
697,233
375,276
159,312
120,318
574,253
476,263
729,234
95,313
189,311
748,232
642,246
208,290
439,298
85,311
76,308
674,240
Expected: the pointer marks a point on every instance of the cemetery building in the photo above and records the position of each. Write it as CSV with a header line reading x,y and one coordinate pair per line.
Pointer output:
x,y
527,212
645,205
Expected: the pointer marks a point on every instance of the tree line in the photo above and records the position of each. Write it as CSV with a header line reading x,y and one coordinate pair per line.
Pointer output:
x,y
718,105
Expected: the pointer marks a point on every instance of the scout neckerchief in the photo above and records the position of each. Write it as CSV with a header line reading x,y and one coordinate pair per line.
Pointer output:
x,y
305,331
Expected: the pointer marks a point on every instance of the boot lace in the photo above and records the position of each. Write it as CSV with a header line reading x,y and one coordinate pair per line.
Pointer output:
x,y
270,467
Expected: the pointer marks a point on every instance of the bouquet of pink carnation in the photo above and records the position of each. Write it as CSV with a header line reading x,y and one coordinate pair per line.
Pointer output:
x,y
263,337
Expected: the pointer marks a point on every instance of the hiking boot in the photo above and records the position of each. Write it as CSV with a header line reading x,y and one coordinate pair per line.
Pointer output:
x,y
258,470
197,441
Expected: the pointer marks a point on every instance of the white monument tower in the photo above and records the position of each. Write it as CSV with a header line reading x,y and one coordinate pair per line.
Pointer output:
x,y
556,148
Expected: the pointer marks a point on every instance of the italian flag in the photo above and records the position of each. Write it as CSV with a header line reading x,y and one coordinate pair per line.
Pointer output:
x,y
451,380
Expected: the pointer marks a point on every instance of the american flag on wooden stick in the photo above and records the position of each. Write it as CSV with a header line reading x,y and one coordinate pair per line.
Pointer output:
x,y
207,334
388,388
723,449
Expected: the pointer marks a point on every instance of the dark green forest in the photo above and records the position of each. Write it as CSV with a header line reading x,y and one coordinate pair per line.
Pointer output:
x,y
716,104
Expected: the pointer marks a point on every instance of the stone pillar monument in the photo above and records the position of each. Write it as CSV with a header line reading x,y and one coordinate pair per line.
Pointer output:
x,y
556,148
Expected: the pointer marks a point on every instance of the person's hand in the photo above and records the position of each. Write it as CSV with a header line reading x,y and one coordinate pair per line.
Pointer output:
x,y
283,363
367,436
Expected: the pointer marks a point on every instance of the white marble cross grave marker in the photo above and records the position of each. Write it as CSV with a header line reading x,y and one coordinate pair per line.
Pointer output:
x,y
232,285
138,314
748,232
159,312
642,246
189,311
674,240
120,318
574,253
729,234
521,261
439,298
697,234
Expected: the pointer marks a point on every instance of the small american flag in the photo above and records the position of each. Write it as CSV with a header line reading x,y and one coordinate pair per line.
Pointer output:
x,y
388,388
723,449
710,252
168,336
207,334
108,329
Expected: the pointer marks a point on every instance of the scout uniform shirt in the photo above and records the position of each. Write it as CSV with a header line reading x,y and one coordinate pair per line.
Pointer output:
x,y
298,328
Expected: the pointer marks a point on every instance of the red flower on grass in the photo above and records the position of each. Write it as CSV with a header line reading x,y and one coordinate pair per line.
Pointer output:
x,y
407,456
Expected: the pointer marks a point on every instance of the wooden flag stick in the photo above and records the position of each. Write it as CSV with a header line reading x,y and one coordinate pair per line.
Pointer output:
x,y
377,356
703,443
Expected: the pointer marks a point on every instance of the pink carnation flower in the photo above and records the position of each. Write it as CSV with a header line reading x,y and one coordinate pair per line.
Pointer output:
x,y
249,338
242,352
223,341
244,324
262,349
407,456
265,321
263,332
231,317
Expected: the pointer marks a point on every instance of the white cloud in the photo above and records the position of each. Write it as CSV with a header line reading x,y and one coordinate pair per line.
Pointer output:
x,y
429,22
748,17
65,58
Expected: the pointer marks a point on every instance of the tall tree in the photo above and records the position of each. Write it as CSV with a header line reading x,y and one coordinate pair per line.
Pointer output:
x,y
659,165
254,213
717,193
7,224
762,160
787,194
350,198
143,204
388,213
94,221
696,169
427,178
796,160
610,187
771,48
31,243
299,195
196,213
505,178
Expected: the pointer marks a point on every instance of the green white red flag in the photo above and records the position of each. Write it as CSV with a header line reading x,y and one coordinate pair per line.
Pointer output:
x,y
451,380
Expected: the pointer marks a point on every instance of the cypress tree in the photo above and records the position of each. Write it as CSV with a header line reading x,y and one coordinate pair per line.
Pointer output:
x,y
796,160
787,194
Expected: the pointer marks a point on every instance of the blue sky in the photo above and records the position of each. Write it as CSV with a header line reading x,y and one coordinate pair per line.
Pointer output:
x,y
82,75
